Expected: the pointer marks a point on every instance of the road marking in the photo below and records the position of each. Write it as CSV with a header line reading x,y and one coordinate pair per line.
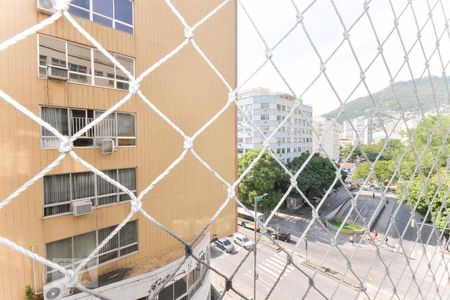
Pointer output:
x,y
268,271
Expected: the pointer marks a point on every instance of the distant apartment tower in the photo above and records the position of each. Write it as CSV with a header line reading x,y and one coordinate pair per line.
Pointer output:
x,y
329,132
362,130
267,110
62,78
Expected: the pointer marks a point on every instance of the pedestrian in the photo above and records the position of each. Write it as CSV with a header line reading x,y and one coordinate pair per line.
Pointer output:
x,y
386,239
373,195
375,233
351,240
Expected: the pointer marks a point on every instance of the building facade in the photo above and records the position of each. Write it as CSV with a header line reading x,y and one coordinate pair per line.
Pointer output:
x,y
61,77
361,132
328,134
267,110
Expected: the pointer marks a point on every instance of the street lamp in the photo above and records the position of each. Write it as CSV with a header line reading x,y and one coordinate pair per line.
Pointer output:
x,y
258,199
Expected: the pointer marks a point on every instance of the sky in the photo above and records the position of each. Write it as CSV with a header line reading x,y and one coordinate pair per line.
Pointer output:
x,y
297,60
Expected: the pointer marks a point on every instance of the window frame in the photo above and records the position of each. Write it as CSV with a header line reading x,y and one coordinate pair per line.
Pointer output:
x,y
94,198
113,19
75,262
92,65
116,138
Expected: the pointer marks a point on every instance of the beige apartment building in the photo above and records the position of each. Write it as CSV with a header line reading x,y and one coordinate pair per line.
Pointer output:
x,y
61,77
328,134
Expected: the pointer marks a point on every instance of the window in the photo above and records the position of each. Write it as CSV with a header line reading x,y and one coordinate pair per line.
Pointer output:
x,y
265,117
116,14
265,105
61,190
68,252
86,65
186,286
118,126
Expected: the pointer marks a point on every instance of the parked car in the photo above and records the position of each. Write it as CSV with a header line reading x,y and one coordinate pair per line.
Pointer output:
x,y
280,235
225,245
243,241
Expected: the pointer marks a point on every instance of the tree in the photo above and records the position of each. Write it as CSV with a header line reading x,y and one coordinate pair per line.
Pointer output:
x,y
264,177
317,175
361,171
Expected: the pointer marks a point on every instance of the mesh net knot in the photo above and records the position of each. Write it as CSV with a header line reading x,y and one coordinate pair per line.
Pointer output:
x,y
228,284
70,278
269,54
66,145
61,5
187,250
293,182
133,87
188,33
187,143
136,206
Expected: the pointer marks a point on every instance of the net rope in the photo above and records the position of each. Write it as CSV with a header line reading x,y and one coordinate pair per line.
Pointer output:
x,y
406,248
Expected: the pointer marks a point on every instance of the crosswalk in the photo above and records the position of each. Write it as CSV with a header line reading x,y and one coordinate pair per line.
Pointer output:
x,y
269,270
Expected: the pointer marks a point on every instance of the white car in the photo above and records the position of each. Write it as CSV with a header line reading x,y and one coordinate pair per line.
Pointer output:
x,y
243,241
225,245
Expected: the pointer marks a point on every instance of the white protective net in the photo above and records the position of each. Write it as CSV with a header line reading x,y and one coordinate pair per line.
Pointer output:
x,y
413,268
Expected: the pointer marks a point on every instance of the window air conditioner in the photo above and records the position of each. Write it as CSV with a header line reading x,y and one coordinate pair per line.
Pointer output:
x,y
46,6
58,73
81,207
56,290
107,146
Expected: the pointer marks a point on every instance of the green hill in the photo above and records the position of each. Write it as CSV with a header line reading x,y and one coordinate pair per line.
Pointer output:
x,y
388,104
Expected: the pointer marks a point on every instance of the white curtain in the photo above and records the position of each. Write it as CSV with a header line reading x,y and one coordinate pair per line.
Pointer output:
x,y
125,125
57,117
83,185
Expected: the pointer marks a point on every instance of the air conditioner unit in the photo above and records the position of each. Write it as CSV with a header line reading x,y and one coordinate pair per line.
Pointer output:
x,y
107,146
58,73
56,290
81,207
46,6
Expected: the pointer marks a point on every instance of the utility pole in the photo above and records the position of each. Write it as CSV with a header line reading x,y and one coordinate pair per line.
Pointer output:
x,y
257,200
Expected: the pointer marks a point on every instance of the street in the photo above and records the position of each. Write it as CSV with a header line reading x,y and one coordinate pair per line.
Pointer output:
x,y
339,271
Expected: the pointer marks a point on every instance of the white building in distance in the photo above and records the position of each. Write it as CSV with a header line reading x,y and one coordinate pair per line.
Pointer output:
x,y
267,110
364,131
329,131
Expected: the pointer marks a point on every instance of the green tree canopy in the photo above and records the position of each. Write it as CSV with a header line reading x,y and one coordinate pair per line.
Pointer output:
x,y
264,177
317,175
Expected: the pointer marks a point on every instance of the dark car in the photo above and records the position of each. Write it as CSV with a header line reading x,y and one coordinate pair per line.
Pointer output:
x,y
280,235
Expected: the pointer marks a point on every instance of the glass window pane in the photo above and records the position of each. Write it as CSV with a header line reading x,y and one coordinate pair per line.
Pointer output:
x,y
128,234
123,11
52,51
103,186
106,128
81,3
127,177
102,20
126,142
56,117
83,185
103,67
125,125
60,251
108,256
125,251
112,243
79,12
104,7
124,28
56,188
180,287
166,293
106,200
83,245
80,63
128,63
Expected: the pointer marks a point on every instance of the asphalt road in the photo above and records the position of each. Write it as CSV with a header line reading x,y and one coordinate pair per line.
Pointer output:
x,y
386,270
